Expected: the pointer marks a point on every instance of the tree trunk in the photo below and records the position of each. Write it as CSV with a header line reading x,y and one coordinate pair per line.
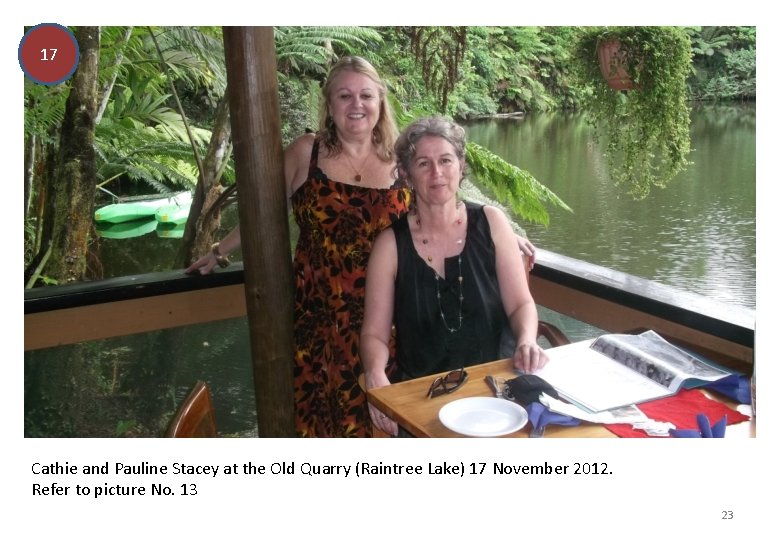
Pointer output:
x,y
200,228
72,381
44,171
73,193
29,167
108,86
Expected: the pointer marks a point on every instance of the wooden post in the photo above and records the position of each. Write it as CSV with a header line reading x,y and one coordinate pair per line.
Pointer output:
x,y
250,59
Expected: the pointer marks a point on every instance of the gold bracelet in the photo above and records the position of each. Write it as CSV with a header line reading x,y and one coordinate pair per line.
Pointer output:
x,y
222,260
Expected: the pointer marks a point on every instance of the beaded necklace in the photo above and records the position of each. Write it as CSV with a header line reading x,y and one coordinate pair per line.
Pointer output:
x,y
460,298
436,275
458,221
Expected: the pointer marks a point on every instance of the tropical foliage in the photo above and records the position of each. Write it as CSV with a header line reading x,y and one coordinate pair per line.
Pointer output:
x,y
646,129
310,50
511,185
724,63
159,89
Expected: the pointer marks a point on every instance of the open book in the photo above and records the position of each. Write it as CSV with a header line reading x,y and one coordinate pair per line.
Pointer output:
x,y
615,370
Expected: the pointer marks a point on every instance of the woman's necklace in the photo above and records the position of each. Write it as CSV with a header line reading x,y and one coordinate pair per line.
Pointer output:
x,y
358,176
460,298
457,222
436,275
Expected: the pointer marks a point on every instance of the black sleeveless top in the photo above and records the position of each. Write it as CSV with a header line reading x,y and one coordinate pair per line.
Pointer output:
x,y
425,345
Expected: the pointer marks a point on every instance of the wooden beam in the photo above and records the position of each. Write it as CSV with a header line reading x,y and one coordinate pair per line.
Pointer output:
x,y
134,316
619,302
250,58
614,317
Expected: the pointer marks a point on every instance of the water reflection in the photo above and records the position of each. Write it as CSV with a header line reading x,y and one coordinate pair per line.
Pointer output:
x,y
698,234
130,386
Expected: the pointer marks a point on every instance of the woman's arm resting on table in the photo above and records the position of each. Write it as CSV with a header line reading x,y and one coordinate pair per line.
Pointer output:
x,y
378,320
515,295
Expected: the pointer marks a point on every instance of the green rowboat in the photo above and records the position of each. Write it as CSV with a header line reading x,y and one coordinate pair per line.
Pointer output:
x,y
170,230
126,229
173,213
138,209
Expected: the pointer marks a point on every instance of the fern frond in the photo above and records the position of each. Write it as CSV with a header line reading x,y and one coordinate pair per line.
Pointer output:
x,y
44,109
310,49
516,188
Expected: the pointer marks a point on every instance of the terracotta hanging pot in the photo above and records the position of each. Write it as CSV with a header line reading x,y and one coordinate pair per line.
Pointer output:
x,y
613,65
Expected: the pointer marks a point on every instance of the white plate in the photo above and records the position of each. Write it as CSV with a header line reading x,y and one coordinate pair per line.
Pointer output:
x,y
483,416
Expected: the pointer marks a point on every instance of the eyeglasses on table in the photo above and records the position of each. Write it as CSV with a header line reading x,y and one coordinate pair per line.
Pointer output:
x,y
448,383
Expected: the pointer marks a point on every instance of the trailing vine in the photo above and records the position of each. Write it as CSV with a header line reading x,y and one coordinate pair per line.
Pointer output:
x,y
439,51
646,130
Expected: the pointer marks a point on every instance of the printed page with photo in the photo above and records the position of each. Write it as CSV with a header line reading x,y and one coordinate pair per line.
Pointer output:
x,y
616,370
652,356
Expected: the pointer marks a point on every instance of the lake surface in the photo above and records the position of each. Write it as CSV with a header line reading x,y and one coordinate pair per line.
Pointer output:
x,y
698,234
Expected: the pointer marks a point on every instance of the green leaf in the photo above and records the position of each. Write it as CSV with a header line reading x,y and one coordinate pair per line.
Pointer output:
x,y
511,185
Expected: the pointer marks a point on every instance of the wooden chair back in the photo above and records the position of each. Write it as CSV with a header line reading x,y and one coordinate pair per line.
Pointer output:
x,y
195,416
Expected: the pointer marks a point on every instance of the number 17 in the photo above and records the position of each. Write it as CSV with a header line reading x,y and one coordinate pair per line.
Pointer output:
x,y
53,54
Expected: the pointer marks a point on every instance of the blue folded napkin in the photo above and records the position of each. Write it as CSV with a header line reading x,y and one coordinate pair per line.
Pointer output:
x,y
735,386
705,431
540,416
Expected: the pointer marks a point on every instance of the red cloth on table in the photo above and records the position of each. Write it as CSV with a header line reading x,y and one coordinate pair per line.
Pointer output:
x,y
681,410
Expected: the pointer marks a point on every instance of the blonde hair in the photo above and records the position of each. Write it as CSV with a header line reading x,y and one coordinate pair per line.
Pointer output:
x,y
385,131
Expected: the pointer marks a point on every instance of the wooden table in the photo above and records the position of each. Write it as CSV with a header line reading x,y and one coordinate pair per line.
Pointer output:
x,y
407,404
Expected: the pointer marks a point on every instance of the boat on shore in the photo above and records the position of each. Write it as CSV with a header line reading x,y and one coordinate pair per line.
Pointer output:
x,y
175,214
131,210
125,229
169,230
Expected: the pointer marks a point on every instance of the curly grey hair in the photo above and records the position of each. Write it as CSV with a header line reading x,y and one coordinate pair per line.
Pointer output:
x,y
435,126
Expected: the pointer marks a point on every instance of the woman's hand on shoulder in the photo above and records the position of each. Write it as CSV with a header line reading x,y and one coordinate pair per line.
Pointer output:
x,y
528,250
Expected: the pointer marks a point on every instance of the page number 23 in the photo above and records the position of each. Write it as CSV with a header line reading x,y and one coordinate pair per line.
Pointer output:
x,y
726,514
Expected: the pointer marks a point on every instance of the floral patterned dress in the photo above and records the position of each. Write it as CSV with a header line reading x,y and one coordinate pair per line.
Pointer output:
x,y
338,224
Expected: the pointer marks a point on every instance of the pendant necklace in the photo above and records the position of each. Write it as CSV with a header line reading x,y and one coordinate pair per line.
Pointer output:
x,y
358,177
460,299
450,329
457,222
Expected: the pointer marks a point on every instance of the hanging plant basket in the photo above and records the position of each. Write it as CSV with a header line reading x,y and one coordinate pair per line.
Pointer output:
x,y
644,132
612,60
